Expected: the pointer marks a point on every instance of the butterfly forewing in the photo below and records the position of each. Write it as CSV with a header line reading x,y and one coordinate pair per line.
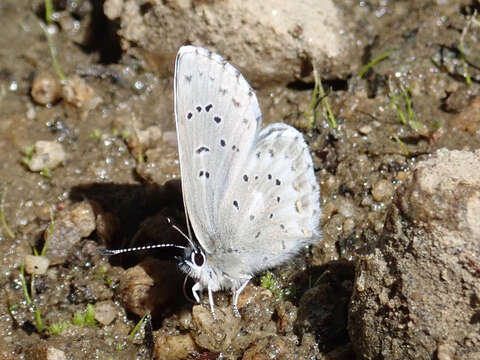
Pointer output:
x,y
217,118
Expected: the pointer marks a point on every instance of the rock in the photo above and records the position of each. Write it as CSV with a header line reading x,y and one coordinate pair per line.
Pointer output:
x,y
78,93
46,88
145,139
382,190
469,118
37,265
105,312
64,236
272,347
47,155
55,354
272,41
83,217
44,351
420,287
365,129
173,347
214,335
149,286
287,315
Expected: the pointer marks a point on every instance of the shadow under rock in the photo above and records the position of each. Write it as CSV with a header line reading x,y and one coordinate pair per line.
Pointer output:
x,y
324,295
137,215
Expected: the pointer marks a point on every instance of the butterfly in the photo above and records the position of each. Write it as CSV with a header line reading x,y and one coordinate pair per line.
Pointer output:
x,y
250,194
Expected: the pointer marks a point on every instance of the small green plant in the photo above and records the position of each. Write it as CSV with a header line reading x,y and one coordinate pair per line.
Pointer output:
x,y
402,104
85,318
51,229
102,275
270,282
58,328
49,11
372,63
138,326
3,218
38,318
461,47
46,172
95,134
319,98
28,152
404,148
46,29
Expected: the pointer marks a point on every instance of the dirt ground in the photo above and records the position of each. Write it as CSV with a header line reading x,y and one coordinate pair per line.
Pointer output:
x,y
91,161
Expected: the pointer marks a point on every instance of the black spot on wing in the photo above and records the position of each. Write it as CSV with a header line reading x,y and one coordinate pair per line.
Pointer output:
x,y
202,149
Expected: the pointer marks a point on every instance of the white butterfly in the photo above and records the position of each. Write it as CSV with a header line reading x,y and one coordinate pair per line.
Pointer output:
x,y
250,195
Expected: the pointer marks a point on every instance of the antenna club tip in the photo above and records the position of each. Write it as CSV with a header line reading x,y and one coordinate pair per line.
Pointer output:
x,y
107,252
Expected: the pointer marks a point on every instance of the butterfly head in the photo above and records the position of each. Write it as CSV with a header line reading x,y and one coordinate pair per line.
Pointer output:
x,y
195,263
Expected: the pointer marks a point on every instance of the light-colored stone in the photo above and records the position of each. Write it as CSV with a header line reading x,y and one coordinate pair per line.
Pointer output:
x,y
55,354
46,88
269,40
47,155
105,312
174,347
78,93
37,265
417,294
382,190
83,217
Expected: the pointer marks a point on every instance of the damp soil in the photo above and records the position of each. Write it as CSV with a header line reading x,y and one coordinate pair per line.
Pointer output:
x,y
121,161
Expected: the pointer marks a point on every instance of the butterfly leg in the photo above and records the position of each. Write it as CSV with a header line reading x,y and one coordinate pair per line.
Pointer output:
x,y
210,300
195,289
236,295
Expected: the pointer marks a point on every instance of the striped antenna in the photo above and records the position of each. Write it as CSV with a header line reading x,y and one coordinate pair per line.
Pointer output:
x,y
148,247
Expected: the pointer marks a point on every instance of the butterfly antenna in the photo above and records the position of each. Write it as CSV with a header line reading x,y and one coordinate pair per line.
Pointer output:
x,y
188,238
148,247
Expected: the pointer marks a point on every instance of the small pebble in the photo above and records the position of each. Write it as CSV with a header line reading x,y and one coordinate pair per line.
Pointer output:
x,y
148,286
173,347
55,354
61,240
346,207
365,130
83,217
44,351
105,312
382,190
46,88
78,93
214,335
145,139
403,175
37,265
348,226
47,155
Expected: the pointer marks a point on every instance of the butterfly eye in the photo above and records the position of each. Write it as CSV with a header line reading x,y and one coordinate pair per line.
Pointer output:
x,y
198,259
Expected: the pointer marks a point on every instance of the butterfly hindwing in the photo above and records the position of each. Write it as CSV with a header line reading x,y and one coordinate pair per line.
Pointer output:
x,y
272,209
